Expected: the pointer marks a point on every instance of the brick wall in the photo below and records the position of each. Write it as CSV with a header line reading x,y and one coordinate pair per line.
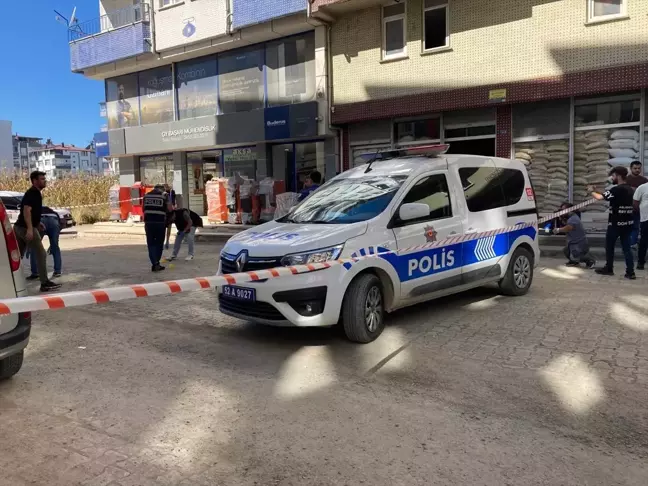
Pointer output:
x,y
208,18
122,43
491,43
249,12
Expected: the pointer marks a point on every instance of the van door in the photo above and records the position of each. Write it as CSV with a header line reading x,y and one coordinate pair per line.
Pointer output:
x,y
486,204
427,271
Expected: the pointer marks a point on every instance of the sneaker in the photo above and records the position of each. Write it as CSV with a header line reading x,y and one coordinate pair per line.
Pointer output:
x,y
171,258
56,274
189,258
158,268
641,266
590,263
32,277
630,276
572,264
605,271
49,286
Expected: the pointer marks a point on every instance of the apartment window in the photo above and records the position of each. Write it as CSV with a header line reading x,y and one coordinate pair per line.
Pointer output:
x,y
394,31
164,3
606,9
435,21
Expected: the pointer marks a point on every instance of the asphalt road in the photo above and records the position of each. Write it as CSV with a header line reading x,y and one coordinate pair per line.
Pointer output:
x,y
476,389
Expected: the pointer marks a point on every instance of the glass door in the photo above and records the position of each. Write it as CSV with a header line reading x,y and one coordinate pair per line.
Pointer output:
x,y
282,165
201,167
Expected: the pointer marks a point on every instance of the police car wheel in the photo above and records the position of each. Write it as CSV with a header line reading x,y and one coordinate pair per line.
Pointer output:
x,y
11,365
519,275
363,310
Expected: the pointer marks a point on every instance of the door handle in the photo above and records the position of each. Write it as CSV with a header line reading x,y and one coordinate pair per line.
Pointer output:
x,y
453,233
470,231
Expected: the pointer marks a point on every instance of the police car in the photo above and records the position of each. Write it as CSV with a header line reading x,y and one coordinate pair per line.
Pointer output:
x,y
384,210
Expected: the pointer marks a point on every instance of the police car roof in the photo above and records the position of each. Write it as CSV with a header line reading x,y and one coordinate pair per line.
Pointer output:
x,y
410,165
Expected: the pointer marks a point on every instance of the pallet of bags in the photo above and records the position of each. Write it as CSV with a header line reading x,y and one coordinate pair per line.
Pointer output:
x,y
536,159
558,173
623,147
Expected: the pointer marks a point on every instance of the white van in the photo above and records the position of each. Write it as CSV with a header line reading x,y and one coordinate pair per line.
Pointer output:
x,y
404,199
14,328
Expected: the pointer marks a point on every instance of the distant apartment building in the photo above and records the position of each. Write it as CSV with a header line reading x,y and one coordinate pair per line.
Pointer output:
x,y
59,161
210,88
24,158
6,146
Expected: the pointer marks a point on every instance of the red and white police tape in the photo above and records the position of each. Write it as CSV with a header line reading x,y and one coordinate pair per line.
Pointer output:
x,y
124,292
103,203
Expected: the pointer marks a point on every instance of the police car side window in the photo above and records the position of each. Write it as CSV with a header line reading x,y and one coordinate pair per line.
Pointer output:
x,y
491,187
434,192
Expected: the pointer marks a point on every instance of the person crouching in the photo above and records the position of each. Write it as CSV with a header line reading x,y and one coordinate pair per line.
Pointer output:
x,y
577,249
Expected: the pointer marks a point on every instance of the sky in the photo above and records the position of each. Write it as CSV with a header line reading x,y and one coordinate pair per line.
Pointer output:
x,y
38,92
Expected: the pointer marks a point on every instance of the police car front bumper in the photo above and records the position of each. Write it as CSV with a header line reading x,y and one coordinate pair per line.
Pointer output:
x,y
307,300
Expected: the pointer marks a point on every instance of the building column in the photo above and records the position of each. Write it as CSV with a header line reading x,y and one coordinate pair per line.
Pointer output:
x,y
503,135
180,181
321,79
129,170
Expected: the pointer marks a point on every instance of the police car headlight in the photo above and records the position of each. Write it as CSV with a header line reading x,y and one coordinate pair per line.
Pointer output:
x,y
317,256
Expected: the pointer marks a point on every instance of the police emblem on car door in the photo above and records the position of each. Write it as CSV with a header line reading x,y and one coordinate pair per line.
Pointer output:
x,y
426,271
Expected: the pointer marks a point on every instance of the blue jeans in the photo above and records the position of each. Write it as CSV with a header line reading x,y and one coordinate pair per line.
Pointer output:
x,y
52,231
613,234
634,238
190,241
155,234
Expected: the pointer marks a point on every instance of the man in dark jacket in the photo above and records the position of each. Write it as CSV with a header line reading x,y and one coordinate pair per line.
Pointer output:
x,y
186,222
157,208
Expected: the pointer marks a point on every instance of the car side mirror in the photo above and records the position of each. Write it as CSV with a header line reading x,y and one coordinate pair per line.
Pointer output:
x,y
411,211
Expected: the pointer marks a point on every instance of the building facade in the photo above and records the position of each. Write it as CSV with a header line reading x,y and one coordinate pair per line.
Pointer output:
x,y
24,157
217,88
60,161
558,83
6,146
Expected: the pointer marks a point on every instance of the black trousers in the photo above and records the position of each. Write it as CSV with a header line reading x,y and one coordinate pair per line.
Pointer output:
x,y
155,233
643,242
624,234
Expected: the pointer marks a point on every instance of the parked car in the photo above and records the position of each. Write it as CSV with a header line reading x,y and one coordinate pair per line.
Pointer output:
x,y
405,200
14,328
12,201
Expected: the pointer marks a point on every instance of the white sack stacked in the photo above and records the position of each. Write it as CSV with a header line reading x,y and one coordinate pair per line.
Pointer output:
x,y
536,159
558,174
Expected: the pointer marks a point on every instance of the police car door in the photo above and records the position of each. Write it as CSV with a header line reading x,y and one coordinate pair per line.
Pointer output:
x,y
485,211
426,271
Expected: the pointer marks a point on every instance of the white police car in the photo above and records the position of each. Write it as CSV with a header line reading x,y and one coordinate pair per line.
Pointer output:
x,y
404,199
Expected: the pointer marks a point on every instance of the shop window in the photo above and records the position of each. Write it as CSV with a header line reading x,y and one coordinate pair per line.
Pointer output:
x,y
240,80
417,131
435,25
541,142
394,31
156,95
484,187
474,131
607,135
241,162
197,87
122,103
434,192
156,169
291,70
606,9
309,157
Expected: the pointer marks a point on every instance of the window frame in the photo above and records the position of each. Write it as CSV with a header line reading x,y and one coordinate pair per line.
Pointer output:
x,y
446,6
392,18
396,222
593,19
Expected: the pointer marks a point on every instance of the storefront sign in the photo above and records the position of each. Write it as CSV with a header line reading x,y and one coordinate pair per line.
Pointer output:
x,y
277,123
102,148
184,134
239,154
497,96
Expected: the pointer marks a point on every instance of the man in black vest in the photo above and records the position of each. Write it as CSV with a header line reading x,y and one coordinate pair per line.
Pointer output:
x,y
157,208
186,222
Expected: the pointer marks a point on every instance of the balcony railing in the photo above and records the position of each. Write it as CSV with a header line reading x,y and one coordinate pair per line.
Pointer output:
x,y
110,21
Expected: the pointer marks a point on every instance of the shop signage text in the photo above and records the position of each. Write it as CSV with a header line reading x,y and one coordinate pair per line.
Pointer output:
x,y
189,133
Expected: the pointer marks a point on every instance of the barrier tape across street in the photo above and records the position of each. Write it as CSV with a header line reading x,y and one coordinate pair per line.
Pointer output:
x,y
103,203
113,294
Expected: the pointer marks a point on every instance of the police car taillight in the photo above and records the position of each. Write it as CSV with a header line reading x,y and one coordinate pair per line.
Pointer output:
x,y
13,250
427,150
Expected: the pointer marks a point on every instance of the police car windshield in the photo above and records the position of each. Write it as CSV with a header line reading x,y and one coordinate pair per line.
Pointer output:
x,y
347,200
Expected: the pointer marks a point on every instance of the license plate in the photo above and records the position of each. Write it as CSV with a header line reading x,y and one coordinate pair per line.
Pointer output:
x,y
239,293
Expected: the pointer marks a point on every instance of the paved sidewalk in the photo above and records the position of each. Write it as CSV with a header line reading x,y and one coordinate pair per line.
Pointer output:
x,y
475,389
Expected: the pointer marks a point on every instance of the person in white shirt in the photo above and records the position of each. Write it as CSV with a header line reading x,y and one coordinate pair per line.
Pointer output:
x,y
641,204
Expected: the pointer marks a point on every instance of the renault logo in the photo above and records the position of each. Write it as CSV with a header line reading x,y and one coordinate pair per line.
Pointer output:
x,y
241,260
